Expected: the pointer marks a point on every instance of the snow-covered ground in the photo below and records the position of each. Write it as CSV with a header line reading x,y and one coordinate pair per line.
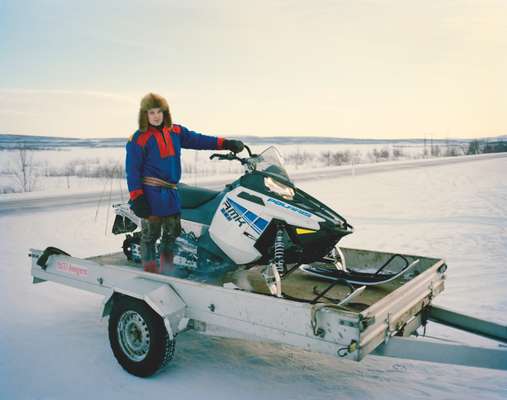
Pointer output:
x,y
54,346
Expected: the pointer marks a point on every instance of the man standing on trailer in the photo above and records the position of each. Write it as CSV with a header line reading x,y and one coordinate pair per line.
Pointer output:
x,y
153,167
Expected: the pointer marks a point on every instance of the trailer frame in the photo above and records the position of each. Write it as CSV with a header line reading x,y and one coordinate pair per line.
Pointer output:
x,y
382,329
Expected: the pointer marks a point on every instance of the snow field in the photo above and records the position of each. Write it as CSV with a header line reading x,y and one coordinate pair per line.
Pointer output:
x,y
54,345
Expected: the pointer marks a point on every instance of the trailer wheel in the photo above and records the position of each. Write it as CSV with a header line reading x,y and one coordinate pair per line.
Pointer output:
x,y
138,337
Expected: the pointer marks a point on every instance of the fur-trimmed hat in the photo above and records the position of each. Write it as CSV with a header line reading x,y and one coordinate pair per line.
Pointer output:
x,y
152,100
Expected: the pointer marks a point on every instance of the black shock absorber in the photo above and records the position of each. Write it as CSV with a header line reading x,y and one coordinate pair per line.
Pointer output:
x,y
279,249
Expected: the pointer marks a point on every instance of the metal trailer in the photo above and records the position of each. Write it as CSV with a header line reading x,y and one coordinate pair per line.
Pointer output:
x,y
147,311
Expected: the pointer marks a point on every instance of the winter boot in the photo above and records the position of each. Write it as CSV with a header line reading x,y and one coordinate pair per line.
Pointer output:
x,y
150,232
167,263
150,266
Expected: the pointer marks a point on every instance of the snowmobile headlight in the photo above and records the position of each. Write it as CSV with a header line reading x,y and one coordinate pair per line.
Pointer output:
x,y
279,188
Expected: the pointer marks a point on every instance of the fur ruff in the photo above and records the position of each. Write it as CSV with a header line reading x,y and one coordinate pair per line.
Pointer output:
x,y
152,100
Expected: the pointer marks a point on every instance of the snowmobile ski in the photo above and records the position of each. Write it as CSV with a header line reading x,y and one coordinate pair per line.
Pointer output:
x,y
353,277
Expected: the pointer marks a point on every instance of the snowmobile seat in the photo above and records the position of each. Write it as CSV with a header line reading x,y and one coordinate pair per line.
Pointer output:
x,y
193,196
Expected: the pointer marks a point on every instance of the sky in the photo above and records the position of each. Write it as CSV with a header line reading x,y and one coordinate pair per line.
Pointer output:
x,y
358,69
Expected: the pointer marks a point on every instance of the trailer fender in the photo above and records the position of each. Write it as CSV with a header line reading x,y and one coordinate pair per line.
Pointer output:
x,y
160,296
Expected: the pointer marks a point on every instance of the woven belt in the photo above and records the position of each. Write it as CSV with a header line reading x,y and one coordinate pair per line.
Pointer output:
x,y
152,181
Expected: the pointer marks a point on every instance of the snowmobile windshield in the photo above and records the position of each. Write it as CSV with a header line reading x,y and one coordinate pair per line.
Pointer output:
x,y
270,161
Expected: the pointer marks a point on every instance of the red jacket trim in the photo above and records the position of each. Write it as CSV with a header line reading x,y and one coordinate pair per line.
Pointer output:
x,y
143,138
220,143
176,129
134,194
164,143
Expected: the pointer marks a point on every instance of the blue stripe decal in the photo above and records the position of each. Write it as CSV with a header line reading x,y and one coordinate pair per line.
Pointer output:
x,y
261,223
239,208
257,223
250,216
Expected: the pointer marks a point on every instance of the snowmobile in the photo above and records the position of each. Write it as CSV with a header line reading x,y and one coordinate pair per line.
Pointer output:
x,y
262,218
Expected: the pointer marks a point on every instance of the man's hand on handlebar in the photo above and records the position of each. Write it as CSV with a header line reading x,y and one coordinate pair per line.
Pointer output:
x,y
236,146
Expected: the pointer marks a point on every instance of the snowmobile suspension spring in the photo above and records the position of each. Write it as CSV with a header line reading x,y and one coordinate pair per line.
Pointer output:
x,y
279,250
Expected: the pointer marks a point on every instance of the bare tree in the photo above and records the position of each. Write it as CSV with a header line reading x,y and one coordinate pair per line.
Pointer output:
x,y
380,155
397,153
24,170
341,157
474,147
326,157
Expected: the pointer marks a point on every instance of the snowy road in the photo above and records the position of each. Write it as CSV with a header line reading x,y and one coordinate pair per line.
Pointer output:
x,y
54,346
35,202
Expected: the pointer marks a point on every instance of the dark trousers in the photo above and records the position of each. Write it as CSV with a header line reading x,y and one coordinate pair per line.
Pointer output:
x,y
152,228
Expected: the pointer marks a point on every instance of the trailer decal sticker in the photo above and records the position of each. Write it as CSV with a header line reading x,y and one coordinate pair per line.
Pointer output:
x,y
236,212
70,269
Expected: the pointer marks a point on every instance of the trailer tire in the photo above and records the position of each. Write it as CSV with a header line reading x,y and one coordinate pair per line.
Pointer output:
x,y
138,337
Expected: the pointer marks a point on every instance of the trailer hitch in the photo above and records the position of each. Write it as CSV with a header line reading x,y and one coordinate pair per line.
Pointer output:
x,y
50,251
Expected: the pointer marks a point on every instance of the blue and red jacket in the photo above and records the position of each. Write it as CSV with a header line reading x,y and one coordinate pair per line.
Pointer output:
x,y
158,154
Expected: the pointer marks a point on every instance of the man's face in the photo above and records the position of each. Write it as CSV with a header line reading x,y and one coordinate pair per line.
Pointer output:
x,y
155,116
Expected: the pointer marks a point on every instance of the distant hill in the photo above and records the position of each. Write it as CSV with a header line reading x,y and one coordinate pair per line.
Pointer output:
x,y
48,142
331,140
9,141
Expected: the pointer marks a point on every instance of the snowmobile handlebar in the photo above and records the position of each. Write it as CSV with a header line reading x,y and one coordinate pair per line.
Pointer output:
x,y
250,154
232,156
229,156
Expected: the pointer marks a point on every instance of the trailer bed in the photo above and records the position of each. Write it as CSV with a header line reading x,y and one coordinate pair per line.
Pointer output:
x,y
239,305
299,285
